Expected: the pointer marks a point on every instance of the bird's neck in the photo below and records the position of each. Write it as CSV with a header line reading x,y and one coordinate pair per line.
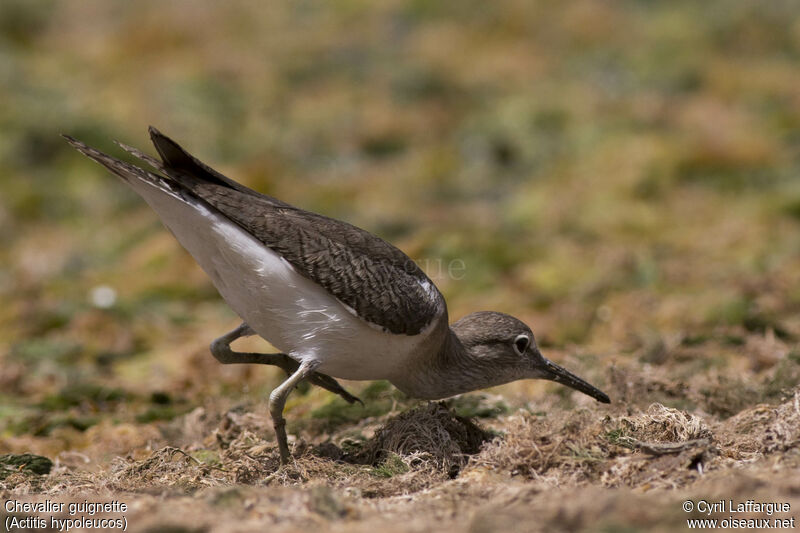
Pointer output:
x,y
444,371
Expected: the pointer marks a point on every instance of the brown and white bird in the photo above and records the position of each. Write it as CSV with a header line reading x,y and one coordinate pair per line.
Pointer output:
x,y
337,301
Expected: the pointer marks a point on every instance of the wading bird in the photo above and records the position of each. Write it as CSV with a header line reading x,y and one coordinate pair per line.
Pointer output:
x,y
337,301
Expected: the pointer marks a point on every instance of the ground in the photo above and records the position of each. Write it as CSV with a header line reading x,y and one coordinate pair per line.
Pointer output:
x,y
622,176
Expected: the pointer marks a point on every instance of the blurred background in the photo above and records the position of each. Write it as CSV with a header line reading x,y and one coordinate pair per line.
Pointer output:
x,y
624,176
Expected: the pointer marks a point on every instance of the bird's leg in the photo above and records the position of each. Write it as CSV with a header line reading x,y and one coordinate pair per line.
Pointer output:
x,y
277,401
221,350
328,383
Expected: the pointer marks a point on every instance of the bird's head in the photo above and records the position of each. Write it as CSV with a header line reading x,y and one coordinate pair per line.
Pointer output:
x,y
505,349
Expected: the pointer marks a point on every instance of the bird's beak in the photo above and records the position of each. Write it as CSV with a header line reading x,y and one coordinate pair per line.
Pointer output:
x,y
549,370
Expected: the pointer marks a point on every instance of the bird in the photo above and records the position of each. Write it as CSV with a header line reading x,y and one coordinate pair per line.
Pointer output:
x,y
336,300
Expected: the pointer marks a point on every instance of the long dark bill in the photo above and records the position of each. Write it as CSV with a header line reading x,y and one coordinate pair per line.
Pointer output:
x,y
565,377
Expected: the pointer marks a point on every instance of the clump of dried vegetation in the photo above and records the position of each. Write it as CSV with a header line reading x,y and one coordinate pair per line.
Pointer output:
x,y
430,459
407,452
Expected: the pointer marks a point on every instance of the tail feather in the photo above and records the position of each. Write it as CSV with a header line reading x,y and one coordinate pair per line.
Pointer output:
x,y
176,160
181,175
131,174
152,161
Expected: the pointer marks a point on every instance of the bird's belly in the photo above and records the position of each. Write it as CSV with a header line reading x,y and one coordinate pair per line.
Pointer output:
x,y
293,313
359,352
303,320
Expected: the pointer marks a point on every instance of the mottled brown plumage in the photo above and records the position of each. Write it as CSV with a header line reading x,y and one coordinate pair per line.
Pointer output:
x,y
374,278
336,299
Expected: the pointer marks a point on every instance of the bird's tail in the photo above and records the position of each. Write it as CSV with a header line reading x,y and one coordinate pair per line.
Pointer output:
x,y
128,172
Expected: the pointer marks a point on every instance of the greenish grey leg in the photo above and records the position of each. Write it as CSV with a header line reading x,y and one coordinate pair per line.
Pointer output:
x,y
277,401
221,350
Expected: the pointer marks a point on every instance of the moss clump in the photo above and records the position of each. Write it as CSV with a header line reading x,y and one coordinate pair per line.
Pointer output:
x,y
159,412
26,462
378,398
80,394
479,406
391,466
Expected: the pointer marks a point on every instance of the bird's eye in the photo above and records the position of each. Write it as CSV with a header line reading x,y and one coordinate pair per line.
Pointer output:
x,y
521,344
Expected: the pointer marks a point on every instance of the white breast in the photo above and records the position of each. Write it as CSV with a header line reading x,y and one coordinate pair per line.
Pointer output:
x,y
293,313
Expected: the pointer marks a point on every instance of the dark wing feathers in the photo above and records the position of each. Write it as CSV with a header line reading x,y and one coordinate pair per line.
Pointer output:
x,y
176,159
374,278
378,281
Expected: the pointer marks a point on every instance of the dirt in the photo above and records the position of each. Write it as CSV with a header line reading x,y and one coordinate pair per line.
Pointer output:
x,y
424,468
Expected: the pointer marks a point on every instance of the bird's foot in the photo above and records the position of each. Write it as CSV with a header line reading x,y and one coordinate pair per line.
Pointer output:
x,y
330,384
283,442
